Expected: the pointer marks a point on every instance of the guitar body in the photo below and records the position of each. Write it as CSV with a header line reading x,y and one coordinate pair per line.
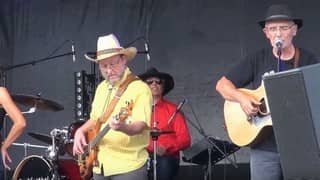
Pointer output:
x,y
86,164
242,130
89,159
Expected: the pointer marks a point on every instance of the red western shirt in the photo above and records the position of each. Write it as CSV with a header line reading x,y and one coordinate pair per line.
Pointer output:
x,y
180,138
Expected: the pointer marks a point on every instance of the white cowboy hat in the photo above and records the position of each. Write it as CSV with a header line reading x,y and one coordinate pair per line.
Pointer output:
x,y
108,46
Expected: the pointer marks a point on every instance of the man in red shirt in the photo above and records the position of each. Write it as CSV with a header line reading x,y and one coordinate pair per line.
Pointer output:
x,y
168,144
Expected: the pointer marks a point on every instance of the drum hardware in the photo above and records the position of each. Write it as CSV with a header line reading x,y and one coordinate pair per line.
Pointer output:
x,y
53,151
30,111
35,102
68,146
26,145
51,166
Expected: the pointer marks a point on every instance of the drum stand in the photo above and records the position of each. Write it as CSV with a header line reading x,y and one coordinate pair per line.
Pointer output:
x,y
26,145
54,149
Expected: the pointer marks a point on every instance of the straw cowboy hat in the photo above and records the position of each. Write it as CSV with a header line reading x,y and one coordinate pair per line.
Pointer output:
x,y
108,46
167,79
280,12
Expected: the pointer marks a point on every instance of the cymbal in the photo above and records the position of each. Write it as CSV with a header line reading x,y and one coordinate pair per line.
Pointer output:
x,y
36,101
42,137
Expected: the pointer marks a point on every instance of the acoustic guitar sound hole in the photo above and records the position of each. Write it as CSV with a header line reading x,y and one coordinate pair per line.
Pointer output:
x,y
263,108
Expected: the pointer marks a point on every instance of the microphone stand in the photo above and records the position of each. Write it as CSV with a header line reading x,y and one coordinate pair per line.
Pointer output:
x,y
36,61
207,138
279,59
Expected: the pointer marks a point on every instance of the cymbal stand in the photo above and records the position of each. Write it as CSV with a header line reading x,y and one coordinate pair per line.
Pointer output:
x,y
154,135
30,111
52,150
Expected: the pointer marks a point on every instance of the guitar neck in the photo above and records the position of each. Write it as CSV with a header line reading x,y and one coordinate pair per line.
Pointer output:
x,y
99,136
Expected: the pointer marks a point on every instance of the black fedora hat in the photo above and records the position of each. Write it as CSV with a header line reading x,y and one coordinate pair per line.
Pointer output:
x,y
168,82
280,12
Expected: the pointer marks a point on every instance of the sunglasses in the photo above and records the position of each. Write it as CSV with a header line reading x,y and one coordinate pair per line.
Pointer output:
x,y
153,81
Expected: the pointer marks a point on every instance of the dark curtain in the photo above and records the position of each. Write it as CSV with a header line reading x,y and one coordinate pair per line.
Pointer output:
x,y
194,40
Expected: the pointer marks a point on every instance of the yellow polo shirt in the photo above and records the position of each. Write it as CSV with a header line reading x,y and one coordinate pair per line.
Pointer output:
x,y
118,152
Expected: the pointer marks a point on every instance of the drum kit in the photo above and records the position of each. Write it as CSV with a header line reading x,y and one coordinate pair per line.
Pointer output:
x,y
51,166
59,141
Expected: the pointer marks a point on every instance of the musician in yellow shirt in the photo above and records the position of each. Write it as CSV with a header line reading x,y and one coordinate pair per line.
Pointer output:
x,y
122,151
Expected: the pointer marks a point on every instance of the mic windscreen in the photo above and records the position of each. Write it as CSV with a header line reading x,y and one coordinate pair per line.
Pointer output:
x,y
279,42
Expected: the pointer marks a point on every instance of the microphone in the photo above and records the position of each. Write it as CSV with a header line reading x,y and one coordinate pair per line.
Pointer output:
x,y
146,47
177,110
73,52
279,43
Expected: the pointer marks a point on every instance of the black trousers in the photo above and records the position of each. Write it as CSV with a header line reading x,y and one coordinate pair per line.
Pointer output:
x,y
167,167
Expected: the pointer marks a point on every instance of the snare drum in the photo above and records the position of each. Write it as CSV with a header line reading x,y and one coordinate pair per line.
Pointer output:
x,y
71,132
38,167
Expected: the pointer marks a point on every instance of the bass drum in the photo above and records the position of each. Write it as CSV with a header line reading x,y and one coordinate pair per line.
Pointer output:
x,y
68,169
38,167
34,167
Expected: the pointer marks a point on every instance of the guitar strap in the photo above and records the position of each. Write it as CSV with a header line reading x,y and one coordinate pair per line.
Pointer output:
x,y
296,58
130,78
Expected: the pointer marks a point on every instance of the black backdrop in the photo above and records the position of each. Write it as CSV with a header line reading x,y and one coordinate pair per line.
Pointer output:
x,y
194,40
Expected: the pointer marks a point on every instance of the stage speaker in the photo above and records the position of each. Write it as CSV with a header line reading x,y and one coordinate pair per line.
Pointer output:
x,y
294,102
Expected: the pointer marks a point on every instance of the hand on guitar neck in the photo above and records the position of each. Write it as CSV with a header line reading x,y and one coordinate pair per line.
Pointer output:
x,y
118,122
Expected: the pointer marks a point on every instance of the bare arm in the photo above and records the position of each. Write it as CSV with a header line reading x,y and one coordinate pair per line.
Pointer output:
x,y
19,123
229,92
87,126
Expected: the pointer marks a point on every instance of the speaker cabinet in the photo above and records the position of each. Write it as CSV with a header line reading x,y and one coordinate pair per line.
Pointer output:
x,y
294,101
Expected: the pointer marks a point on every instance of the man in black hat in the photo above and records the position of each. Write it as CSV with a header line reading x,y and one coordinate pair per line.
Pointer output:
x,y
279,27
174,133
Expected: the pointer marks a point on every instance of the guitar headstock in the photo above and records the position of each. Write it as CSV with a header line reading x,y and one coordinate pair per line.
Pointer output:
x,y
125,112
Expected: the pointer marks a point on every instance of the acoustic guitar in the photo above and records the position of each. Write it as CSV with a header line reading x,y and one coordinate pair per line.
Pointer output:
x,y
244,130
88,159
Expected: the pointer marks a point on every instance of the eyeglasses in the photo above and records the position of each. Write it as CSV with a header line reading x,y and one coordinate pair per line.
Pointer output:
x,y
157,81
111,65
273,29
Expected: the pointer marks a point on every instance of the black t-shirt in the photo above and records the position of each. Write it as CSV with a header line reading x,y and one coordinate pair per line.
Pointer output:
x,y
250,70
253,67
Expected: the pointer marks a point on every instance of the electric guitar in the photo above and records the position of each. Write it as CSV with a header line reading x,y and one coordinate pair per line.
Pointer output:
x,y
244,130
88,159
